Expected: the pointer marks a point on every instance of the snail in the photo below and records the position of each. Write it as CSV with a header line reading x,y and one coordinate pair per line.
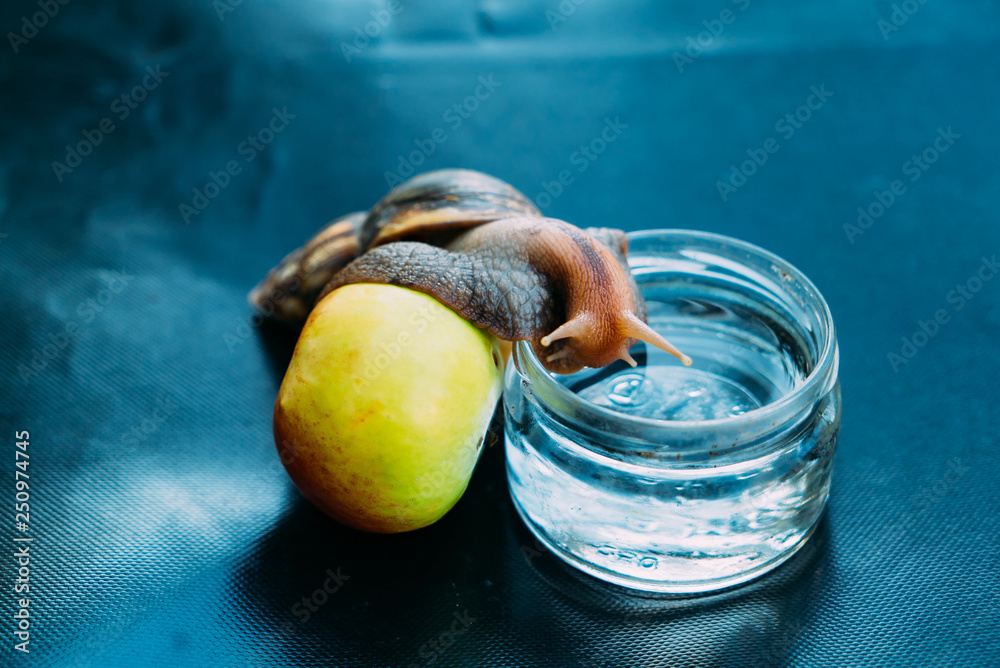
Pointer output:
x,y
432,207
482,248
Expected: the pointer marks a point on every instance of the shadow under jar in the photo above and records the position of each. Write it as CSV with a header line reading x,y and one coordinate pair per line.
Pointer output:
x,y
681,479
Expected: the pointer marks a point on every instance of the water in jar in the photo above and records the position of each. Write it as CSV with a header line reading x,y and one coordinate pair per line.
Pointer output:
x,y
680,521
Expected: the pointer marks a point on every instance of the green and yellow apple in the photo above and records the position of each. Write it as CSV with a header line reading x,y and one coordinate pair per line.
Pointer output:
x,y
383,410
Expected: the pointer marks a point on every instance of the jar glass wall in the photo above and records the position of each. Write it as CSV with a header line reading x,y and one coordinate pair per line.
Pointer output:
x,y
685,479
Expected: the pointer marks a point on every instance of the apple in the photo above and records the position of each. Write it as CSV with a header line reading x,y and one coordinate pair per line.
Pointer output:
x,y
383,411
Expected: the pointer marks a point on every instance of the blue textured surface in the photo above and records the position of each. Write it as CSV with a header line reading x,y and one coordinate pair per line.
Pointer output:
x,y
185,544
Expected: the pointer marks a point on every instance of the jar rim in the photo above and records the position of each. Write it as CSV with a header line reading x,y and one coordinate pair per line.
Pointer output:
x,y
817,383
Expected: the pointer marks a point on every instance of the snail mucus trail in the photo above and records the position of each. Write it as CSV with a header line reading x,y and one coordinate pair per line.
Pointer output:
x,y
482,248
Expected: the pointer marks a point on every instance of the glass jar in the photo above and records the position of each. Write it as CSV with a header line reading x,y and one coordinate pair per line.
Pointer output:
x,y
685,479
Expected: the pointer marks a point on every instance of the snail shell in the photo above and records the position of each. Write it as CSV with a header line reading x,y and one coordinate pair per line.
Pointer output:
x,y
290,290
434,206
